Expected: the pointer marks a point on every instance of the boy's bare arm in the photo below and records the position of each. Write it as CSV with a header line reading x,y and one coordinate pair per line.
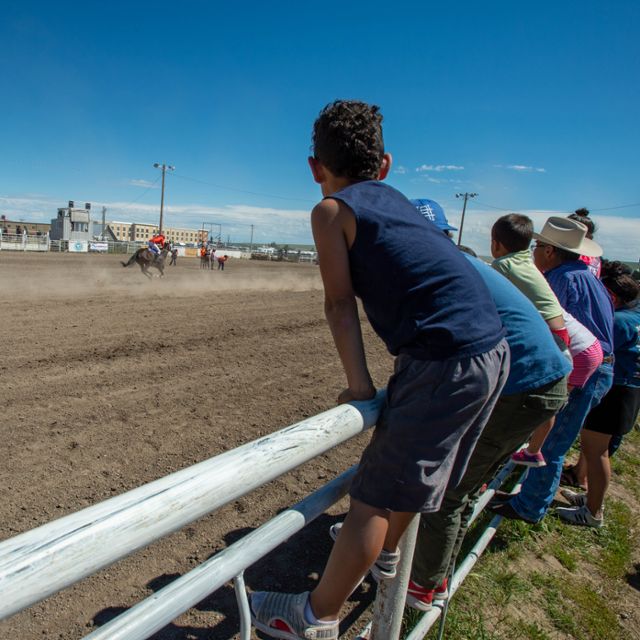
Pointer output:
x,y
333,227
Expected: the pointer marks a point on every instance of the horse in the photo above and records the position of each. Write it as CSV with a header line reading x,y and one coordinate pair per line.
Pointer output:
x,y
146,258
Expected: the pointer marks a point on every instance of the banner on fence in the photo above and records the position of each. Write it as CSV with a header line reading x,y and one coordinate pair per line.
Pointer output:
x,y
78,246
99,246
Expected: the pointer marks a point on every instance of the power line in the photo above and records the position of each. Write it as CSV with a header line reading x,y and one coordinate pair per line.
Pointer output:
x,y
253,193
128,206
622,206
492,207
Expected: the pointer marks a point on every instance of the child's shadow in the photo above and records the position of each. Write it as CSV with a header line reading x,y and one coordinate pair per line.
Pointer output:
x,y
633,579
294,566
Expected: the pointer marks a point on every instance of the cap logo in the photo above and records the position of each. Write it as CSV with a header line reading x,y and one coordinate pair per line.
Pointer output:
x,y
427,212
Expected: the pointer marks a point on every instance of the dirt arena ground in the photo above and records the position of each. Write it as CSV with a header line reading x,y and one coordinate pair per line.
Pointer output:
x,y
110,381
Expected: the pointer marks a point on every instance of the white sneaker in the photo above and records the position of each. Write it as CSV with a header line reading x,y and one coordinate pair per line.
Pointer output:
x,y
580,516
574,498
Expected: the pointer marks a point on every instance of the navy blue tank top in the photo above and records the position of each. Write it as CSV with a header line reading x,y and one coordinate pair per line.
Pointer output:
x,y
418,290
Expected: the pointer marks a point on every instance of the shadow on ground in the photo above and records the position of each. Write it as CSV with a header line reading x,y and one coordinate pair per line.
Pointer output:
x,y
294,566
633,579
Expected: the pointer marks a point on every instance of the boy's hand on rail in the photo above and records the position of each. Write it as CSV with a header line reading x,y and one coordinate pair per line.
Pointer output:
x,y
348,395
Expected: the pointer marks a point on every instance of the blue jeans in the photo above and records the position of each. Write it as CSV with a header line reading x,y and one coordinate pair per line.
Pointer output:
x,y
541,484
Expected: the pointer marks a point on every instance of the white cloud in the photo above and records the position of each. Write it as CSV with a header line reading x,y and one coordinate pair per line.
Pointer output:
x,y
523,167
134,182
427,178
618,236
400,169
270,224
439,167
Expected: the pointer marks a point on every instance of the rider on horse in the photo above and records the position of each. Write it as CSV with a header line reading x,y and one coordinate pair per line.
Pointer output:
x,y
156,244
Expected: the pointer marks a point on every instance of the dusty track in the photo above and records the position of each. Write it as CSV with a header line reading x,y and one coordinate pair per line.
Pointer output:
x,y
109,381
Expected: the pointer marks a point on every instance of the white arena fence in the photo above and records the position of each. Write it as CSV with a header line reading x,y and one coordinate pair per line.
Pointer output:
x,y
23,242
45,560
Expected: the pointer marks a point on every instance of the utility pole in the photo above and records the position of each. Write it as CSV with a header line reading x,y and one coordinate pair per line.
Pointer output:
x,y
251,241
466,196
104,223
164,168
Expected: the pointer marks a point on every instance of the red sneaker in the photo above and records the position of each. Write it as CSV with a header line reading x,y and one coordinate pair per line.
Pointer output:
x,y
422,599
527,459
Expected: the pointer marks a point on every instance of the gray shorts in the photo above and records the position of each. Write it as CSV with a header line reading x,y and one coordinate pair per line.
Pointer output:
x,y
434,414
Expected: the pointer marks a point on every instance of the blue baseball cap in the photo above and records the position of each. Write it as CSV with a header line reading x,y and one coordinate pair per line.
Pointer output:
x,y
431,210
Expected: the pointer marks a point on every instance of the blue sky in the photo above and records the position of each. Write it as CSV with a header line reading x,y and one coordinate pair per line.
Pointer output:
x,y
533,105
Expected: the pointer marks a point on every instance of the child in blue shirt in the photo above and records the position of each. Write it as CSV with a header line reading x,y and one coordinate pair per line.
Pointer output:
x,y
618,411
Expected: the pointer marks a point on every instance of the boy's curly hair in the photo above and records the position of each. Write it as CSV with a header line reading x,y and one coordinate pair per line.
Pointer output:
x,y
347,139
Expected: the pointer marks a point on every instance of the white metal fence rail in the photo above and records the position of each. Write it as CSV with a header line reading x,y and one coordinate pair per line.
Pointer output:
x,y
23,242
38,563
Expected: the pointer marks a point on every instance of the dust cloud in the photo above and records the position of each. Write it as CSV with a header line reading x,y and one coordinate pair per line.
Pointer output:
x,y
49,276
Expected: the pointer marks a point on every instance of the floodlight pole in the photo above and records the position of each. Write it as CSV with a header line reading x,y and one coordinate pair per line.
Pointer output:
x,y
164,168
466,196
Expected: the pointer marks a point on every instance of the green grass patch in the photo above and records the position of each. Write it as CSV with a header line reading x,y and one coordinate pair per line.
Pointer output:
x,y
565,555
517,591
615,540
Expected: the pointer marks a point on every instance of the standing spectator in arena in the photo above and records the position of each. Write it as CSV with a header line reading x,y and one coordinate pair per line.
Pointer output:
x,y
593,262
535,391
557,254
616,415
212,257
174,257
221,261
204,257
435,314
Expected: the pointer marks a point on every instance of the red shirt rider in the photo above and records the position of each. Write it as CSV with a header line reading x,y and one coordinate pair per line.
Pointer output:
x,y
158,240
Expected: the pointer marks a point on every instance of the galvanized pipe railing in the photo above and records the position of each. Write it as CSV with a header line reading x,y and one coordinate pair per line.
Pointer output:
x,y
158,610
40,562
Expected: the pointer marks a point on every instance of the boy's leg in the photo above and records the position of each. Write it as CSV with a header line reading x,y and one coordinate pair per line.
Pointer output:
x,y
360,541
398,523
539,436
511,422
595,447
580,469
541,483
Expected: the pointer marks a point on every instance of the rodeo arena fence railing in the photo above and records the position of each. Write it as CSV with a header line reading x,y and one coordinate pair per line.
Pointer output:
x,y
45,560
24,242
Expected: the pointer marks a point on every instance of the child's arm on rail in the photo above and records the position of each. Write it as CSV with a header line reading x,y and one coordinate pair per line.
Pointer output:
x,y
333,227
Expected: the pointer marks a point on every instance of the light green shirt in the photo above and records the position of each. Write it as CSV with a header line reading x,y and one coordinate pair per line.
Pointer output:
x,y
518,267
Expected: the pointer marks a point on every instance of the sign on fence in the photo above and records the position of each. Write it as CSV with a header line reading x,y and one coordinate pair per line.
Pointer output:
x,y
78,246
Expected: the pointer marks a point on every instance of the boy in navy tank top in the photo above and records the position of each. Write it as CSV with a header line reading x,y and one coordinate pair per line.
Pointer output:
x,y
435,314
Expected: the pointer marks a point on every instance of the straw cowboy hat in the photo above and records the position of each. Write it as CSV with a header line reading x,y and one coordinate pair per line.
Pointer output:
x,y
569,235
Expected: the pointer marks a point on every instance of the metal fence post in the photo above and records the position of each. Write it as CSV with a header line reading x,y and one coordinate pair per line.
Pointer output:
x,y
389,606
